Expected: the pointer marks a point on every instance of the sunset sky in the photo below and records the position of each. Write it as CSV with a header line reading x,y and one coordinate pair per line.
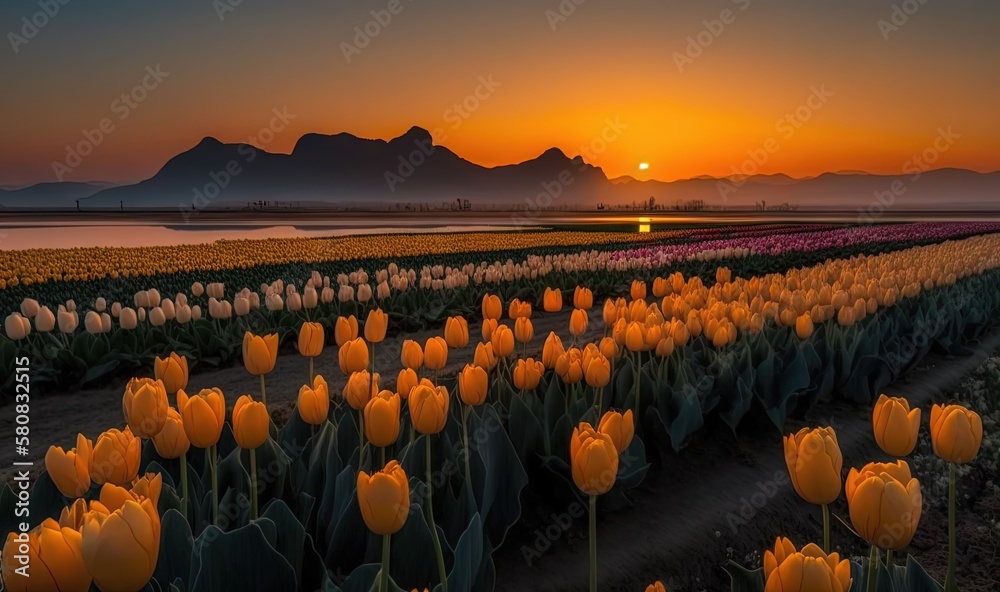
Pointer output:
x,y
868,96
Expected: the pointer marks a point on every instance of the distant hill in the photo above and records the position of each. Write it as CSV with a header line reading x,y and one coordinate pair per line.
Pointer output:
x,y
346,171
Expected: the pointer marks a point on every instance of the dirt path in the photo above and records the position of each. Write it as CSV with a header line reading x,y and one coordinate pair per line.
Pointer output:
x,y
722,498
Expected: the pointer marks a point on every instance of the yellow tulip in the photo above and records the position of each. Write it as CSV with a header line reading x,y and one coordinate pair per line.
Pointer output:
x,y
492,307
384,498
885,503
528,373
896,426
503,341
345,330
524,331
360,387
172,441
353,356
552,300
594,459
259,353
173,371
144,405
484,356
956,433
53,560
120,549
311,339
456,332
203,415
583,298
411,356
115,458
70,470
428,408
473,382
578,321
810,570
376,325
619,427
405,382
382,418
435,353
814,464
314,401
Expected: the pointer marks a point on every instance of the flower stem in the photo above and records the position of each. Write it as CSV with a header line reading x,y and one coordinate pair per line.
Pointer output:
x,y
384,580
382,451
311,370
253,484
873,560
593,543
465,442
263,393
361,437
888,559
826,529
950,584
215,483
184,485
430,520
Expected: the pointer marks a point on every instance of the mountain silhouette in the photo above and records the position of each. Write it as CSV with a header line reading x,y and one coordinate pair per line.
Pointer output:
x,y
345,171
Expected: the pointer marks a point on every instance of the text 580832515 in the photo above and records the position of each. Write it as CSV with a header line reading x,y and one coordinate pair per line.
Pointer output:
x,y
22,399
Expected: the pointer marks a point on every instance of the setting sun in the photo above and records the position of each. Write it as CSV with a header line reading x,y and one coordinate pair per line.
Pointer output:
x,y
643,166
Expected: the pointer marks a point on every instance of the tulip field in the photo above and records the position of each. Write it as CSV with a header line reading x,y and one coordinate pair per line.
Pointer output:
x,y
388,412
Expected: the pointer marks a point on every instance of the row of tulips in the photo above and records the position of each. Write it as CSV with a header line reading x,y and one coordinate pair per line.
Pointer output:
x,y
883,498
72,344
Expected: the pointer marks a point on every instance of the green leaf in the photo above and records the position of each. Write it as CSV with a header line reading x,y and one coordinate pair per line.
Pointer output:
x,y
238,561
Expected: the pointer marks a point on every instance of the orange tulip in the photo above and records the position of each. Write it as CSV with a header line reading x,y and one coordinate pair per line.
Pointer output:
x,y
376,325
428,408
259,353
405,381
70,470
552,300
528,373
569,366
384,498
314,401
172,441
885,503
489,326
411,356
345,330
484,356
250,423
353,356
594,460
814,464
115,457
360,387
578,322
473,383
173,371
583,298
144,405
551,350
638,290
806,571
596,370
503,341
435,353
203,415
519,309
619,428
311,339
456,332
382,418
524,331
492,307
896,426
956,433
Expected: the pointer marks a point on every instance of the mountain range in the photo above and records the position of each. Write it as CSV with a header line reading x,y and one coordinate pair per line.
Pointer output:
x,y
345,171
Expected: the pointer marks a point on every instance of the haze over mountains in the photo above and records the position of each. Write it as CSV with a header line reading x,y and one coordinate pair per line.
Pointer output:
x,y
344,171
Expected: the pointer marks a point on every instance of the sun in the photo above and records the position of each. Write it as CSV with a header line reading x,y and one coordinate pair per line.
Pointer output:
x,y
643,166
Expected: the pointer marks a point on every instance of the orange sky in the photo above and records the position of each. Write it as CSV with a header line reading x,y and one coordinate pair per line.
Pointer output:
x,y
550,82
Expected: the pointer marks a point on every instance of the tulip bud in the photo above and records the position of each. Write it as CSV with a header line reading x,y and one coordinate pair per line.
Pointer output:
x,y
503,341
578,321
552,300
115,458
384,498
804,326
492,307
814,464
156,317
473,383
456,332
259,353
203,415
382,418
896,426
310,298
16,326
885,503
45,321
353,356
594,460
68,321
241,306
70,470
405,381
314,401
250,423
619,427
105,323
364,293
127,319
524,331
311,339
583,298
345,330
376,325
360,387
411,356
435,353
183,314
172,442
29,307
956,433
145,406
428,408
